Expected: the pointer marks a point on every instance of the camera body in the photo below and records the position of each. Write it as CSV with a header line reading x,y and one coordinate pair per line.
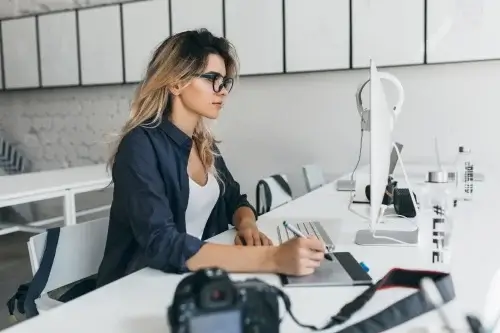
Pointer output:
x,y
209,301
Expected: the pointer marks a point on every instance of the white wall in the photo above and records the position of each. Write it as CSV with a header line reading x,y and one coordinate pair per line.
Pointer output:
x,y
313,118
276,123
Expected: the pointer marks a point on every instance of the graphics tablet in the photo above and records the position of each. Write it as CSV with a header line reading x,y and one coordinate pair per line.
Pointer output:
x,y
344,270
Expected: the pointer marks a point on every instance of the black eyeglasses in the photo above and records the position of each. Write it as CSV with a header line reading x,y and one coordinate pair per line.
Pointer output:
x,y
219,82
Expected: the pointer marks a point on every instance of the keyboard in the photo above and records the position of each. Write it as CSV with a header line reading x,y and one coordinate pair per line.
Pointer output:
x,y
307,228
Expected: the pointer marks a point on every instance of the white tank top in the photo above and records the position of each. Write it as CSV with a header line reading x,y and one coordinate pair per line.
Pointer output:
x,y
201,202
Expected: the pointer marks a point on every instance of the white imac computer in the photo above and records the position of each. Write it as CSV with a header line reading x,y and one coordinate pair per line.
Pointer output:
x,y
382,119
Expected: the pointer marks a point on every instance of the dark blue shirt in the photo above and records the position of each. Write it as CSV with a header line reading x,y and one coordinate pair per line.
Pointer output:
x,y
147,226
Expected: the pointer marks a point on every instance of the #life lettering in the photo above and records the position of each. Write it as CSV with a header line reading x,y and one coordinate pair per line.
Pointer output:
x,y
438,235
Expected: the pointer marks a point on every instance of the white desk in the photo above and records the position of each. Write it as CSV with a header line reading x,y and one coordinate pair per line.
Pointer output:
x,y
43,185
137,303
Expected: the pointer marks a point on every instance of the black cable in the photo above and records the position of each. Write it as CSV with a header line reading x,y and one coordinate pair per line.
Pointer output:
x,y
359,154
353,188
360,151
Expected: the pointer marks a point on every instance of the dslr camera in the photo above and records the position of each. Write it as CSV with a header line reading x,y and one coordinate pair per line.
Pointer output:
x,y
209,301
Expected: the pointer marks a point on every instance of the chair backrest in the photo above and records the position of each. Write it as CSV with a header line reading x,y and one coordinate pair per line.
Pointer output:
x,y
79,252
313,175
272,192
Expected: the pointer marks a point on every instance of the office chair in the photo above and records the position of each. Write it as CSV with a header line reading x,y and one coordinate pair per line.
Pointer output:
x,y
313,175
272,192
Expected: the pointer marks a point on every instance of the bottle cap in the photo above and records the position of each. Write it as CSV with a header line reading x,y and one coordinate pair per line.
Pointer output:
x,y
437,177
462,149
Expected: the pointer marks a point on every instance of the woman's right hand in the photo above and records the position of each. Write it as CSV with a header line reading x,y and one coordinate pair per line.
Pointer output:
x,y
299,256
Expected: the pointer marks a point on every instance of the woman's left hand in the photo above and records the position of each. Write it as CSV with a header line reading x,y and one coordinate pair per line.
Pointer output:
x,y
248,234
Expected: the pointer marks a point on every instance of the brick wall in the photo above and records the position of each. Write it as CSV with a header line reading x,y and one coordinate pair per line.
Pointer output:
x,y
64,127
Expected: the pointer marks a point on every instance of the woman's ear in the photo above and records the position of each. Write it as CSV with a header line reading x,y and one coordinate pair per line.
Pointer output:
x,y
175,90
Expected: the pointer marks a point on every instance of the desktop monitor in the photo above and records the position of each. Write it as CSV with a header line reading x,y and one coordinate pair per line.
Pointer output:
x,y
382,119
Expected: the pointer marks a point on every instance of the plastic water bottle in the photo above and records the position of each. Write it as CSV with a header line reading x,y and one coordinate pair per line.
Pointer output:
x,y
435,221
465,174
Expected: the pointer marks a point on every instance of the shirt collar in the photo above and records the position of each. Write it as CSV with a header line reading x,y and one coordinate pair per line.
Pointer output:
x,y
176,134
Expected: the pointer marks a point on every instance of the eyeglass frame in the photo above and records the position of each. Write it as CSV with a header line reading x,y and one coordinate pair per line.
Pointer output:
x,y
214,76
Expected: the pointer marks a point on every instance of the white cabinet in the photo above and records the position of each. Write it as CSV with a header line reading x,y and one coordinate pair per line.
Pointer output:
x,y
20,53
145,26
256,29
58,49
391,32
196,14
101,58
317,35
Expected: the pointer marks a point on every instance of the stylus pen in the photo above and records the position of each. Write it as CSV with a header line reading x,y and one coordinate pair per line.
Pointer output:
x,y
297,233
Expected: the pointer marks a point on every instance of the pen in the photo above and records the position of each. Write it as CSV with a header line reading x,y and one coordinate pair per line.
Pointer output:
x,y
297,233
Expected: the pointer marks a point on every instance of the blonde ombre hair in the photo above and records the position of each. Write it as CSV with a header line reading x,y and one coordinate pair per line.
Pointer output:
x,y
176,61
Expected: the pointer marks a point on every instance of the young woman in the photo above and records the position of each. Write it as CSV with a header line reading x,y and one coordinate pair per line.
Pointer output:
x,y
172,189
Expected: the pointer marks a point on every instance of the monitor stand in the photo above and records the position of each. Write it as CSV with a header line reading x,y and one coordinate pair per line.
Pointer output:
x,y
390,237
405,238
